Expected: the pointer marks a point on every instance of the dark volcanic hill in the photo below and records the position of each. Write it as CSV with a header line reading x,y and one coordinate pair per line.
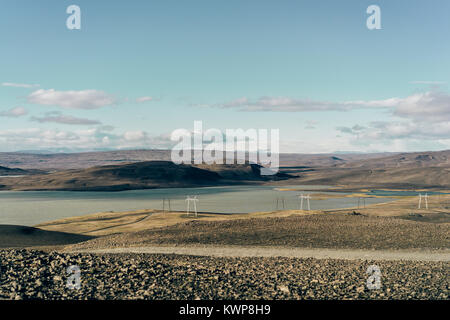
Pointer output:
x,y
5,171
140,175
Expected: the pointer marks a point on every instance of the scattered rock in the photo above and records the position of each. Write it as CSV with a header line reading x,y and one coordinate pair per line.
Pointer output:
x,y
157,276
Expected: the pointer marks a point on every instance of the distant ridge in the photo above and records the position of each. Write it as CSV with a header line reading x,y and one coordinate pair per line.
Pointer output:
x,y
5,171
60,161
139,175
404,170
406,160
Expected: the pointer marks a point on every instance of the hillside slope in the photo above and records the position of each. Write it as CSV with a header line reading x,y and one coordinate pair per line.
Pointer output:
x,y
5,171
140,175
436,177
404,160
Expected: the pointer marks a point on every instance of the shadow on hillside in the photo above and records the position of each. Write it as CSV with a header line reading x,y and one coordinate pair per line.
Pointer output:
x,y
12,236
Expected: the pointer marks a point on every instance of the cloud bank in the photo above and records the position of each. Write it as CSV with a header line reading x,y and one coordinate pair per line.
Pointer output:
x,y
19,85
57,117
14,112
84,99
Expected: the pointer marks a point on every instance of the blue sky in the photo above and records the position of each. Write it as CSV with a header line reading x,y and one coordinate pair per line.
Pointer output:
x,y
310,68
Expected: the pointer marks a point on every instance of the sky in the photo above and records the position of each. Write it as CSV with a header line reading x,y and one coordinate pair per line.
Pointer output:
x,y
138,70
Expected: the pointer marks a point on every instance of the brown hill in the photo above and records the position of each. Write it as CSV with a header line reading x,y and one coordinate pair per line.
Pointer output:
x,y
61,161
404,160
12,236
5,171
140,175
432,177
403,170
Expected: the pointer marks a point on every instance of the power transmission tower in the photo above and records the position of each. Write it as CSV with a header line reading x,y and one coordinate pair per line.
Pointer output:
x,y
362,201
307,197
166,201
425,197
194,200
281,202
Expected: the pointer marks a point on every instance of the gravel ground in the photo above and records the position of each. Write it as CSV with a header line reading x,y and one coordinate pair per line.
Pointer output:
x,y
313,231
28,274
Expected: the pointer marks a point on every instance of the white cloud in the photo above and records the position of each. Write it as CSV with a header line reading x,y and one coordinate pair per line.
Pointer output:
x,y
430,106
79,140
287,104
428,82
419,118
57,117
282,104
19,85
84,99
144,99
398,136
14,112
135,135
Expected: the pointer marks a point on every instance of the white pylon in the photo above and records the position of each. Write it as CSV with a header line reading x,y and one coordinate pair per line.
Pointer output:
x,y
281,201
426,200
361,200
164,204
307,197
194,200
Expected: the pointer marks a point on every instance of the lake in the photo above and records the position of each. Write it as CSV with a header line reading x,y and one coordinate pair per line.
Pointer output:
x,y
34,207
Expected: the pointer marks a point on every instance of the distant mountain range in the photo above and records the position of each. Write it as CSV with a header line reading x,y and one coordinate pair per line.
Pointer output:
x,y
405,160
403,170
136,169
58,161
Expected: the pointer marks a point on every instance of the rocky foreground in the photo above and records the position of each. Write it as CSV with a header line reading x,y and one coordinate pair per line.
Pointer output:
x,y
26,274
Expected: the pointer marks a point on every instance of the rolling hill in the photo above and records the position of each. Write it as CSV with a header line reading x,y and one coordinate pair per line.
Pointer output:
x,y
139,175
404,160
93,171
62,161
5,171
404,178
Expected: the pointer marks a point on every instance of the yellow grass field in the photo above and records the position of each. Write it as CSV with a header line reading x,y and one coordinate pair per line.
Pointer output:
x,y
106,223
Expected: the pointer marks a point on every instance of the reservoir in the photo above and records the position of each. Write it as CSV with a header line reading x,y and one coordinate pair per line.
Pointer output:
x,y
33,207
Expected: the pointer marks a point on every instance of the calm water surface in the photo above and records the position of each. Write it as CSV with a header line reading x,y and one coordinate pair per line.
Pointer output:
x,y
34,207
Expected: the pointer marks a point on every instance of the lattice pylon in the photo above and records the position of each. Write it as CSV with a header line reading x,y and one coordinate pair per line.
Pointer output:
x,y
425,197
193,200
166,201
307,197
